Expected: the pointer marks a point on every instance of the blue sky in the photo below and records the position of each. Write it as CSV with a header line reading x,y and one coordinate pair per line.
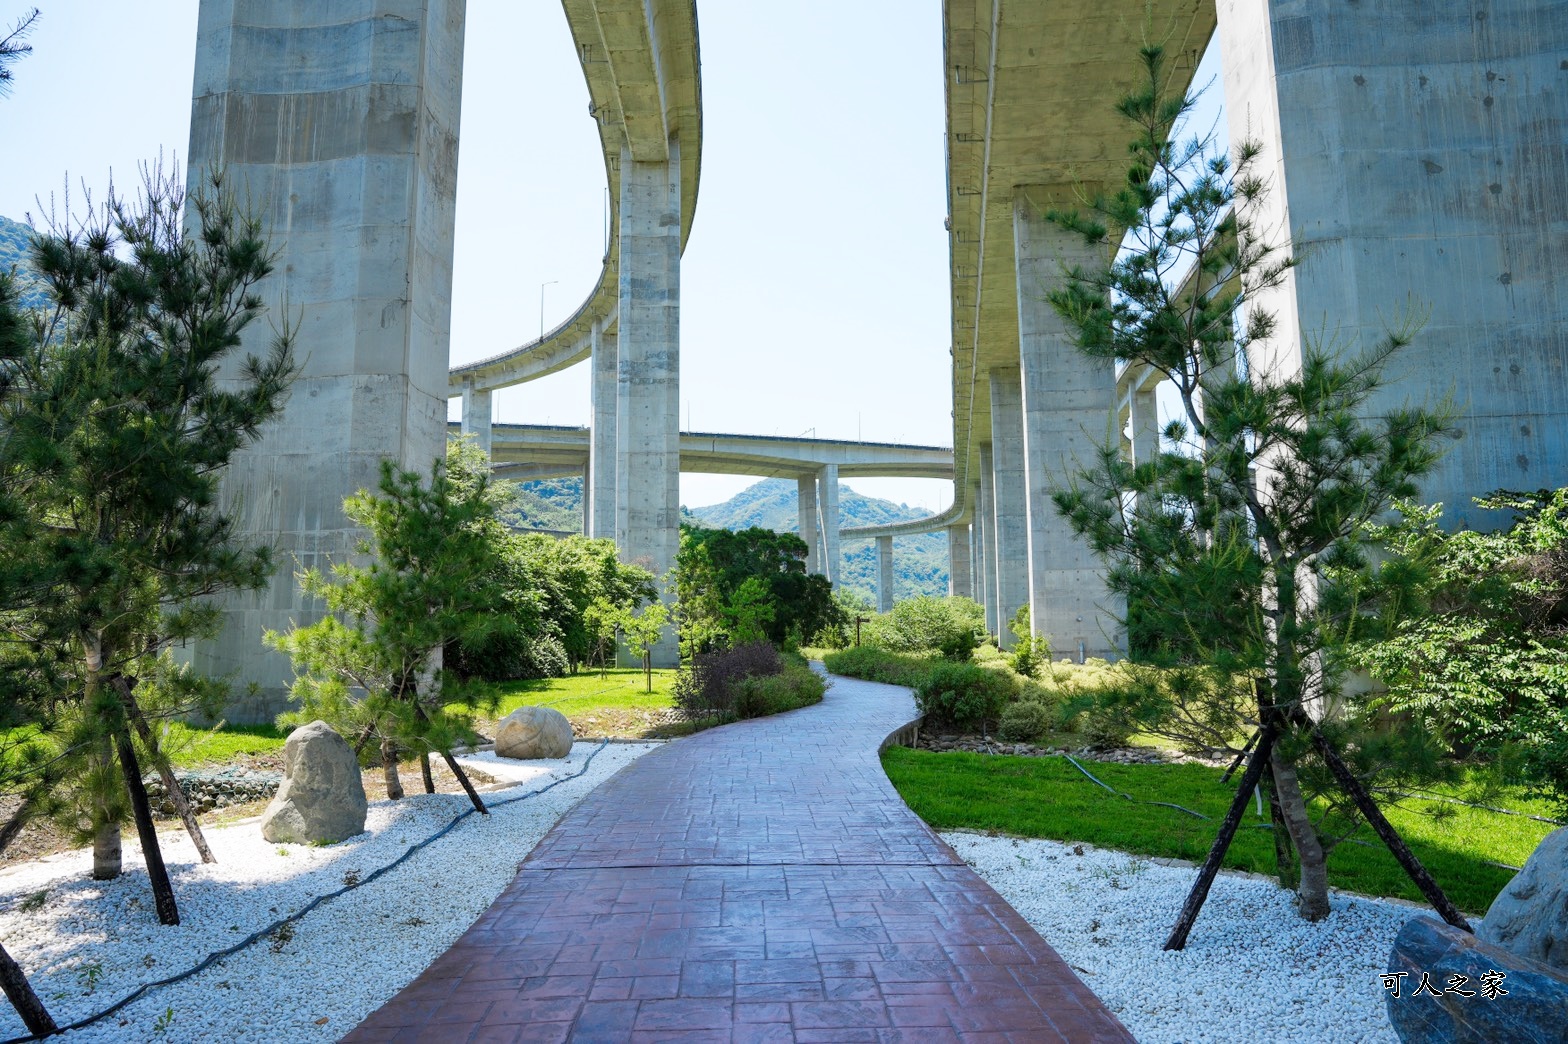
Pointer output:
x,y
814,285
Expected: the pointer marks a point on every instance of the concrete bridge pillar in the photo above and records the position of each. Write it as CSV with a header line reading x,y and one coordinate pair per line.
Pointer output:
x,y
884,574
960,580
1145,427
986,528
648,368
1067,400
341,128
1011,492
827,506
477,416
1422,158
806,508
599,495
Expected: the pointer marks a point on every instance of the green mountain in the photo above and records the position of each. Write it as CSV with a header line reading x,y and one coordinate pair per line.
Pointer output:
x,y
919,562
14,254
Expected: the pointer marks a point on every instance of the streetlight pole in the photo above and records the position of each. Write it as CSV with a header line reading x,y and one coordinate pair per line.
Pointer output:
x,y
541,307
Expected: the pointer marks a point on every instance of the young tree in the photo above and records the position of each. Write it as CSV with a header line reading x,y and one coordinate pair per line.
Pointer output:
x,y
1231,543
714,565
371,666
114,430
642,630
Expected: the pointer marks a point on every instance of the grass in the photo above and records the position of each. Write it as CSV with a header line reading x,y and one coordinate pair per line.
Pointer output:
x,y
192,747
615,704
1048,798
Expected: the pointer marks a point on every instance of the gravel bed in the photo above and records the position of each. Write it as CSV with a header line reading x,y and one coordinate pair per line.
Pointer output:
x,y
1252,970
86,943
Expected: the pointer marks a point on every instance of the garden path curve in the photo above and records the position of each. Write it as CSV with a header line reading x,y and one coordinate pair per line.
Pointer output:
x,y
757,882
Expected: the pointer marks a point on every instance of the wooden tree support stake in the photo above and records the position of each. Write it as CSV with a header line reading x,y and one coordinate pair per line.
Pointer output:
x,y
157,873
468,787
1216,857
182,804
20,993
1389,836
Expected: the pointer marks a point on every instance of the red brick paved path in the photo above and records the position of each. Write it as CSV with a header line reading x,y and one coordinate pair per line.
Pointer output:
x,y
757,882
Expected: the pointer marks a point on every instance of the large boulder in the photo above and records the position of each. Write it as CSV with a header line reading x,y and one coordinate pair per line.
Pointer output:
x,y
1472,993
322,798
533,732
1530,916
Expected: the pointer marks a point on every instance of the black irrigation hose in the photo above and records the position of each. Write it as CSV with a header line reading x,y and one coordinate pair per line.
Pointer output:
x,y
262,933
1129,797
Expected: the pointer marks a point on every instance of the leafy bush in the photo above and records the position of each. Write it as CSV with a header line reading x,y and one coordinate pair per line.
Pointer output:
x,y
927,623
1031,653
792,688
1025,721
710,684
879,665
963,695
546,658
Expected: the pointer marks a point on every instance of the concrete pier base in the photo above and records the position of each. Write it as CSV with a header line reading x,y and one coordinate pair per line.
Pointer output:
x,y
987,530
884,574
806,506
339,122
477,416
827,508
600,496
960,578
1012,493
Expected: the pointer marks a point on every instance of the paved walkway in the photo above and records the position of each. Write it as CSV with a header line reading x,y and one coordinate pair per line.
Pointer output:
x,y
757,882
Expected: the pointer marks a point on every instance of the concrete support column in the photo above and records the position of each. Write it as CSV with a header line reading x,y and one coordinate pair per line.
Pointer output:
x,y
1068,404
827,508
987,531
884,574
341,130
1011,494
1145,427
600,497
806,503
582,501
1422,158
476,416
648,371
960,580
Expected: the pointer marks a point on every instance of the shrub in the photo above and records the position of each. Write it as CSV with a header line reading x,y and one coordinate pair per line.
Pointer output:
x,y
545,658
709,685
923,623
1025,721
960,646
879,665
792,688
963,695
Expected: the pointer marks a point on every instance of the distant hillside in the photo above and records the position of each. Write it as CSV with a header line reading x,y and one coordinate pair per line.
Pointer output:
x,y
919,562
14,237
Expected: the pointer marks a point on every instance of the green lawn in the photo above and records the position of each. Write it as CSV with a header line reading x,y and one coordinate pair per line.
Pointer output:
x,y
190,747
612,705
1048,798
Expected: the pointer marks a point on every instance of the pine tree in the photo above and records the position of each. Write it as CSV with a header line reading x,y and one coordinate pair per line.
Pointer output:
x,y
371,667
1229,546
115,428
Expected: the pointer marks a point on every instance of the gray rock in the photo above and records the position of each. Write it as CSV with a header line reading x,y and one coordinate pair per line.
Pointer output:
x,y
322,798
1530,916
1532,1010
533,732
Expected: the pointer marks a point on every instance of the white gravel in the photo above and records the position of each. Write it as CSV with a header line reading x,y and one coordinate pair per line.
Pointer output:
x,y
1252,970
91,942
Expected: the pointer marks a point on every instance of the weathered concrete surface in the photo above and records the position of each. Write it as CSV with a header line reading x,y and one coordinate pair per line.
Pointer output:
x,y
987,529
1011,489
1533,1010
476,416
601,492
806,512
1418,160
960,577
827,521
340,123
649,368
884,574
1068,408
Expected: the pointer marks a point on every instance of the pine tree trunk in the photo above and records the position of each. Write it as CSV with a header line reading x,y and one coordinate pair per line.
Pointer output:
x,y
20,993
389,770
1312,891
152,852
1285,865
182,804
1390,837
14,825
1216,857
107,863
424,772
